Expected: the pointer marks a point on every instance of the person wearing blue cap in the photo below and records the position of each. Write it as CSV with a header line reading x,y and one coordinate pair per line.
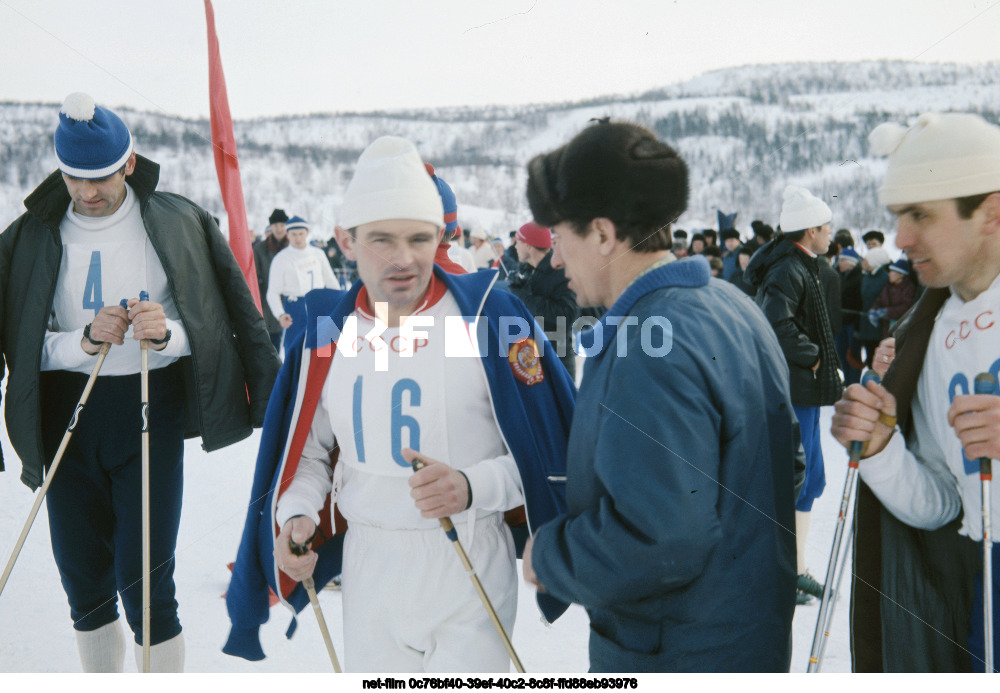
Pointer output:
x,y
294,272
450,257
95,232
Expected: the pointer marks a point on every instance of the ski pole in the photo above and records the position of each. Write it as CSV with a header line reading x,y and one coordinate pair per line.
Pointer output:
x,y
984,385
146,599
310,585
56,460
836,595
849,482
449,530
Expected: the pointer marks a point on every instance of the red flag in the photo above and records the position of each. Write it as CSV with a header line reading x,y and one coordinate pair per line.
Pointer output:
x,y
227,163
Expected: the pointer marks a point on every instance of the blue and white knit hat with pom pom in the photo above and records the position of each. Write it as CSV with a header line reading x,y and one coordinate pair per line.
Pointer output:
x,y
90,141
296,222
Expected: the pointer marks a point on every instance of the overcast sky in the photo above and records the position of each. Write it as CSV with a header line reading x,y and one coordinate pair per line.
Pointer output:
x,y
306,56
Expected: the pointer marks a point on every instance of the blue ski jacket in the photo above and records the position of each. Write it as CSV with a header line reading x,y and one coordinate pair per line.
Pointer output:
x,y
534,420
680,534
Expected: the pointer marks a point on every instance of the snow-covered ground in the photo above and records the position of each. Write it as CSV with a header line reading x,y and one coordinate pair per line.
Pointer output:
x,y
36,634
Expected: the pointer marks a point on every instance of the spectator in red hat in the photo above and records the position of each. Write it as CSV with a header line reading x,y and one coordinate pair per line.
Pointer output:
x,y
545,290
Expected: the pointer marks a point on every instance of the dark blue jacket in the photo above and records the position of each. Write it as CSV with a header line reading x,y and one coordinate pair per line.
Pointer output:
x,y
534,420
680,534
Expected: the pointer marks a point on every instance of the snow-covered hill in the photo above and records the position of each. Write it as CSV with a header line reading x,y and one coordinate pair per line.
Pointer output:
x,y
745,132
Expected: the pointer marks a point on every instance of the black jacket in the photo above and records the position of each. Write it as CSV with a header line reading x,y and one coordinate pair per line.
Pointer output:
x,y
546,293
264,251
829,278
790,293
912,589
232,366
850,295
871,287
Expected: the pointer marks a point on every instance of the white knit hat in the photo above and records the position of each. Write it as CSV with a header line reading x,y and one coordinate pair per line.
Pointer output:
x,y
877,257
391,182
940,157
802,210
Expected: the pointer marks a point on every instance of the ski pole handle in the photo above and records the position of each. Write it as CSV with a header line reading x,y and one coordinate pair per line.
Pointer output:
x,y
446,524
297,548
143,295
985,384
857,447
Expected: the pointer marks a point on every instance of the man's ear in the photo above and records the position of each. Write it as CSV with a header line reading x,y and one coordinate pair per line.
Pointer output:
x,y
991,213
607,234
345,241
130,164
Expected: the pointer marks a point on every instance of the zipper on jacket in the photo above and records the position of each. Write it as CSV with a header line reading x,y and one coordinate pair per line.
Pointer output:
x,y
143,205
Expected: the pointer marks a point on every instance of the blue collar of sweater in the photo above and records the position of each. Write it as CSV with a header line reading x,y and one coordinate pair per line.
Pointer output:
x,y
691,272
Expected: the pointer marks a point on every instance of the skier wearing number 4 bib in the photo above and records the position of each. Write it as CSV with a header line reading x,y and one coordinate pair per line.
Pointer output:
x,y
97,231
424,363
917,600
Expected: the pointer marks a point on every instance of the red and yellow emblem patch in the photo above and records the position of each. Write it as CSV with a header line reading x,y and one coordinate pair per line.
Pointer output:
x,y
525,361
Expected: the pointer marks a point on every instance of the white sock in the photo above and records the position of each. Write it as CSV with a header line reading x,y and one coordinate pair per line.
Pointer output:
x,y
102,651
801,531
165,658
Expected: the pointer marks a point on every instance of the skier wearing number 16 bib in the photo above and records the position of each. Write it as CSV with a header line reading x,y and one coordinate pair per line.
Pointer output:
x,y
423,363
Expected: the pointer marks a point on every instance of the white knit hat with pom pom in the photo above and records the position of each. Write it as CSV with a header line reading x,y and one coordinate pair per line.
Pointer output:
x,y
802,210
941,156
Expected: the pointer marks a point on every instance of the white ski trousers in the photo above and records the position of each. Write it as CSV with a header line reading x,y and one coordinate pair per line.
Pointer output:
x,y
410,606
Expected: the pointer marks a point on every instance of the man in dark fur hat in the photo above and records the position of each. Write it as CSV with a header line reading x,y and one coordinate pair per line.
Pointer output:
x,y
652,539
874,239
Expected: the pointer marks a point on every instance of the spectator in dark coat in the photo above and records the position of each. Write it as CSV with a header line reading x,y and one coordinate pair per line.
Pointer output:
x,y
545,290
743,256
730,244
698,244
762,234
874,239
896,297
264,251
849,266
844,239
789,290
875,274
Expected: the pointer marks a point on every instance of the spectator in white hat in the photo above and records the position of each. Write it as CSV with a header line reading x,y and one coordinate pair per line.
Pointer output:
x,y
482,250
786,273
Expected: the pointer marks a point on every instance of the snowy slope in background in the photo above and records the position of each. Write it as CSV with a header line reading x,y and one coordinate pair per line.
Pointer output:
x,y
745,133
